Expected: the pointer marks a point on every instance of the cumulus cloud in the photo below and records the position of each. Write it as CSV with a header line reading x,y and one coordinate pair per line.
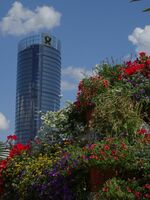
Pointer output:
x,y
141,38
66,85
4,123
20,20
76,73
71,77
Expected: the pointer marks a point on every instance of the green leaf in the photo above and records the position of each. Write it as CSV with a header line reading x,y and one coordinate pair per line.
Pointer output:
x,y
146,10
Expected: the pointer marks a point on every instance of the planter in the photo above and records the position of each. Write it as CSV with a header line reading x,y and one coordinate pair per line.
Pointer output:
x,y
97,177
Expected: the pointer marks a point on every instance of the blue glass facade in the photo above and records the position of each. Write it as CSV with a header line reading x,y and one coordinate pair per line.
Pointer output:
x,y
38,83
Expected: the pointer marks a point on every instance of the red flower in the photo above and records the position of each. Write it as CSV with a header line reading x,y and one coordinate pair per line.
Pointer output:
x,y
92,146
77,104
142,54
102,153
142,131
133,68
106,147
17,149
147,135
94,157
113,152
147,186
128,189
116,158
147,196
148,61
105,83
120,77
14,137
121,68
80,85
123,145
138,195
83,156
11,137
105,189
3,164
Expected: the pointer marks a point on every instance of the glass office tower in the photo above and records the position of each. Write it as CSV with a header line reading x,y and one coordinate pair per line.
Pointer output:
x,y
38,83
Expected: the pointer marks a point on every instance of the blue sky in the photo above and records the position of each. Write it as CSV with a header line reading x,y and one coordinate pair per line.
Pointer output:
x,y
90,32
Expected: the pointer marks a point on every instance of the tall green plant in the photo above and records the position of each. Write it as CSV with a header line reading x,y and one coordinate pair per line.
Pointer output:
x,y
116,114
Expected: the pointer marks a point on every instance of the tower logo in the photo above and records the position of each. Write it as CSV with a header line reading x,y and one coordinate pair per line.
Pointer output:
x,y
47,40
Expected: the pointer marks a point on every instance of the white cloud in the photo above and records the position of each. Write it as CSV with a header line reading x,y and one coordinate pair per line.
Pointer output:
x,y
71,77
20,20
66,85
77,73
141,38
4,123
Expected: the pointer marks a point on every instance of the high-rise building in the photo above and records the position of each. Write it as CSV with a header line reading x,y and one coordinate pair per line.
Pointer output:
x,y
38,83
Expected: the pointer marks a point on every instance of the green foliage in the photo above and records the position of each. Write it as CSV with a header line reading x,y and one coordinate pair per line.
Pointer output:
x,y
110,104
24,170
119,189
115,114
109,72
61,125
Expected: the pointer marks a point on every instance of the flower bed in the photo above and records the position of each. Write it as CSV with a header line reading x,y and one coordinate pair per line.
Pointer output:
x,y
62,164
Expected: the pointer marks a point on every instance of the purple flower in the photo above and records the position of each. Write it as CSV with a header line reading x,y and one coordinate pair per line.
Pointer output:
x,y
142,91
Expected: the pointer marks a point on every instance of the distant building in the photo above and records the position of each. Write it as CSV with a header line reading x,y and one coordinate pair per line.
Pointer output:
x,y
38,82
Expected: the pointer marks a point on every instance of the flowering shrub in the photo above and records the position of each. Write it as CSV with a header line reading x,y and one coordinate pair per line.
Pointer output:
x,y
110,152
115,114
135,76
88,89
114,105
141,64
63,124
15,150
123,190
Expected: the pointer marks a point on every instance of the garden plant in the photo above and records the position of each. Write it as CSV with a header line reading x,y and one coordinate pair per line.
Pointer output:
x,y
97,146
